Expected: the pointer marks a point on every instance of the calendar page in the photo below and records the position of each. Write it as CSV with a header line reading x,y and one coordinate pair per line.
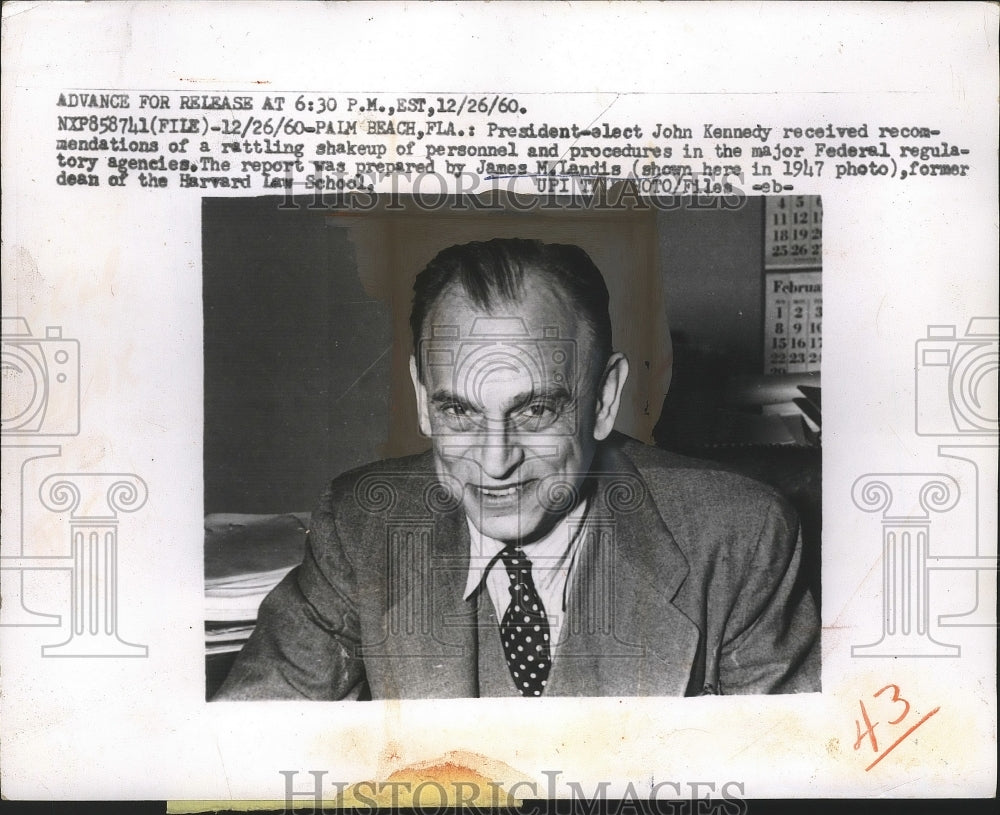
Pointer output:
x,y
793,322
793,232
793,301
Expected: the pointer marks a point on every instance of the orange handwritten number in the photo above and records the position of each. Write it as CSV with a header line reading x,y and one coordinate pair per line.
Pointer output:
x,y
868,731
895,698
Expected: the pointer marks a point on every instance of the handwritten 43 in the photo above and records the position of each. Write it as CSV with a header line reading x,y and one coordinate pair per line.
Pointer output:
x,y
901,709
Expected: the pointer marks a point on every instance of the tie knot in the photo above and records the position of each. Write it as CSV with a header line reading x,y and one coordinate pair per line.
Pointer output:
x,y
514,558
516,562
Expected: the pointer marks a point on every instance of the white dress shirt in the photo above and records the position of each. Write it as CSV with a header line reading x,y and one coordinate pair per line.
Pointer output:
x,y
552,560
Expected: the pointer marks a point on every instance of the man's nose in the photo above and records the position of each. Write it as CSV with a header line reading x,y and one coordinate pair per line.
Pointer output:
x,y
502,452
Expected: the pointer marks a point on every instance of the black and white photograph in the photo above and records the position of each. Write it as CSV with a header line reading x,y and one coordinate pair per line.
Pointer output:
x,y
527,486
462,405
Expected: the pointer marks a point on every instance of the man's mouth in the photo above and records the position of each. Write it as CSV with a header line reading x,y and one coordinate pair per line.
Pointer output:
x,y
498,492
508,494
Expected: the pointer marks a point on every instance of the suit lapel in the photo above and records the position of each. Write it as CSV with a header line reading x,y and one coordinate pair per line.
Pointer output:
x,y
652,571
623,635
429,643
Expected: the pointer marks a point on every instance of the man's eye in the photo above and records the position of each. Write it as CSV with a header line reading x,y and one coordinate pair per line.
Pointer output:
x,y
537,415
539,410
457,416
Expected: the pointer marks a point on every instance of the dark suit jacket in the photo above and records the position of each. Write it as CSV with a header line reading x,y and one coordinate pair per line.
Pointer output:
x,y
687,583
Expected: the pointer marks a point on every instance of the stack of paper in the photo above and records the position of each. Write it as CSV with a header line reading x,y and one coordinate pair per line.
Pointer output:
x,y
245,557
769,410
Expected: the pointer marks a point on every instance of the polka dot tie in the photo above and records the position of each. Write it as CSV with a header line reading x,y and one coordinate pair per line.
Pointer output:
x,y
525,628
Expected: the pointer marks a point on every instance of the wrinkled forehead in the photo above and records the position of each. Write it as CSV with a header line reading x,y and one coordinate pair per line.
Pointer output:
x,y
539,312
533,344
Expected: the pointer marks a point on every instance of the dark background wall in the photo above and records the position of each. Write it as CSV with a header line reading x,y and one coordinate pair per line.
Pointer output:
x,y
712,260
296,363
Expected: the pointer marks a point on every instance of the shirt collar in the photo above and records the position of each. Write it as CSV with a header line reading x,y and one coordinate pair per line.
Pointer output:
x,y
552,548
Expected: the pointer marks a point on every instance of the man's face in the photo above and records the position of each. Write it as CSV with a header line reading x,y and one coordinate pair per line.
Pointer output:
x,y
514,403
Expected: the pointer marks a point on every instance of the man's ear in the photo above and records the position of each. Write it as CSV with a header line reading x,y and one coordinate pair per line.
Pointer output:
x,y
609,395
420,391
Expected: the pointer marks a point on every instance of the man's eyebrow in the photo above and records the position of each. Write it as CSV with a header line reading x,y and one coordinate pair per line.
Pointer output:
x,y
552,393
444,397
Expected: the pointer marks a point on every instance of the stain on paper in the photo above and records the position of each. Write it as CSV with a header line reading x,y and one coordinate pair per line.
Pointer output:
x,y
456,779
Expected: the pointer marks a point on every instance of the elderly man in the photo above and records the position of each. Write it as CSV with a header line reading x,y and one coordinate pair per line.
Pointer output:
x,y
533,551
